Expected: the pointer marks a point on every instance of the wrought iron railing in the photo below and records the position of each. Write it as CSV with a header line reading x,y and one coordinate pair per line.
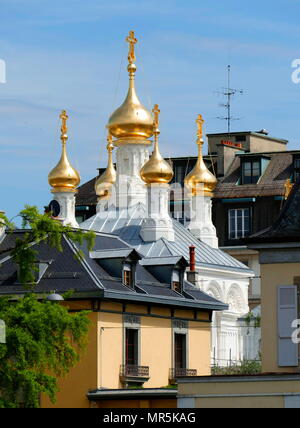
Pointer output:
x,y
180,372
134,371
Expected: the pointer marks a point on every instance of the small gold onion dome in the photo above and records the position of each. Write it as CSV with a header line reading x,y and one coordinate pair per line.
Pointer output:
x,y
64,178
156,169
131,120
104,183
200,181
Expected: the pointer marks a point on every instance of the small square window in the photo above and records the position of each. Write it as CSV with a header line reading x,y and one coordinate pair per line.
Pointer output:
x,y
251,171
176,286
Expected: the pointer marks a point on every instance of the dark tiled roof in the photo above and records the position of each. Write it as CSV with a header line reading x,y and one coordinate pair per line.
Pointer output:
x,y
86,193
65,272
271,183
287,226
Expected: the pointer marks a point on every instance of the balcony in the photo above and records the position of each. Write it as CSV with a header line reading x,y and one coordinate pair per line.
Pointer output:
x,y
180,372
134,374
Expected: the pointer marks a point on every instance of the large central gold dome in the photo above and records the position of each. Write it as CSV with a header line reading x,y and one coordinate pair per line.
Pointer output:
x,y
131,121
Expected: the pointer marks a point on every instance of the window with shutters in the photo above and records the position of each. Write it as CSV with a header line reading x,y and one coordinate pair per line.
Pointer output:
x,y
287,312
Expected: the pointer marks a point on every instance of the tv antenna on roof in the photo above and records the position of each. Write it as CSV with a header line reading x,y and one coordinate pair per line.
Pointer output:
x,y
229,93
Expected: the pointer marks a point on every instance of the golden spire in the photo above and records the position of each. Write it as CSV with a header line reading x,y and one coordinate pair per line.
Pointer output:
x,y
64,178
104,183
200,181
131,121
156,170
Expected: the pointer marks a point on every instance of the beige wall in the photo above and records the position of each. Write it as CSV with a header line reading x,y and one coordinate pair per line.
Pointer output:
x,y
273,275
100,365
156,350
238,394
110,330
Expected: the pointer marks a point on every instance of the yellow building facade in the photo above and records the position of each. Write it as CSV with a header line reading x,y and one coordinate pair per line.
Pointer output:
x,y
278,386
101,364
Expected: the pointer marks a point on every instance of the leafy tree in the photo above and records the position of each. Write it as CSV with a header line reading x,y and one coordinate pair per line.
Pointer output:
x,y
43,340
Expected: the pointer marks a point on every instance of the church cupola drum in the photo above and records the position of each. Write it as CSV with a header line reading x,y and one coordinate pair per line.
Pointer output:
x,y
64,180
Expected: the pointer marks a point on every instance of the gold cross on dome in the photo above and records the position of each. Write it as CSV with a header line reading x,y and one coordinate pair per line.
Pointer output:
x,y
109,142
156,112
64,117
132,41
200,122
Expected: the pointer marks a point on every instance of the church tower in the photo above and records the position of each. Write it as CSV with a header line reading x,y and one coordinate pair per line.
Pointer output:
x,y
201,183
157,174
132,126
64,180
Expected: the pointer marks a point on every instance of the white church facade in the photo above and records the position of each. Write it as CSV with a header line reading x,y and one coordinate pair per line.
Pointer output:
x,y
133,204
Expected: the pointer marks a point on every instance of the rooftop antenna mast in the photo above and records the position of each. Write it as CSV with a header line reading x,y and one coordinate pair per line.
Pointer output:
x,y
229,93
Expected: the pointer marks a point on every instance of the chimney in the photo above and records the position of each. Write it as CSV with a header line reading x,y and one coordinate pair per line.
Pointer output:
x,y
192,274
192,258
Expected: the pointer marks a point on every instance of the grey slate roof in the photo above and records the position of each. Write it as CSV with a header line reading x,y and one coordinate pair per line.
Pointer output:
x,y
87,278
127,227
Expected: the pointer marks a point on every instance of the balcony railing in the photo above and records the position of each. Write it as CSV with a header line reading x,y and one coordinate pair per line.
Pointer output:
x,y
180,372
132,373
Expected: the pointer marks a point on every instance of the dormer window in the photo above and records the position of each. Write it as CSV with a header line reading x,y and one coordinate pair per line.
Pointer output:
x,y
177,281
128,275
296,165
252,168
251,171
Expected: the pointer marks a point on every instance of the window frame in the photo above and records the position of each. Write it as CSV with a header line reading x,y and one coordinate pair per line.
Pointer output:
x,y
251,161
296,170
244,233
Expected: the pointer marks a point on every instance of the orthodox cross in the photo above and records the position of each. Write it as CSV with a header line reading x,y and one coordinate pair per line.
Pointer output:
x,y
200,122
64,117
132,41
109,146
156,112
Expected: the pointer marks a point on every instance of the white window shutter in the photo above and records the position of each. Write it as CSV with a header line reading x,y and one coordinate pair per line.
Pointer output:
x,y
287,313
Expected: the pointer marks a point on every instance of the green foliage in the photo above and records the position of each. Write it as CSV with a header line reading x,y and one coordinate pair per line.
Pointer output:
x,y
246,367
250,317
43,340
40,339
41,227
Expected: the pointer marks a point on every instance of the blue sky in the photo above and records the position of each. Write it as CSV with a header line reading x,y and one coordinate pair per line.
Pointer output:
x,y
72,55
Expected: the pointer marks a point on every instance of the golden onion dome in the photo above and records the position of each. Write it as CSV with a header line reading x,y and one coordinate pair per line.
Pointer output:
x,y
64,178
156,169
104,183
200,181
131,121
